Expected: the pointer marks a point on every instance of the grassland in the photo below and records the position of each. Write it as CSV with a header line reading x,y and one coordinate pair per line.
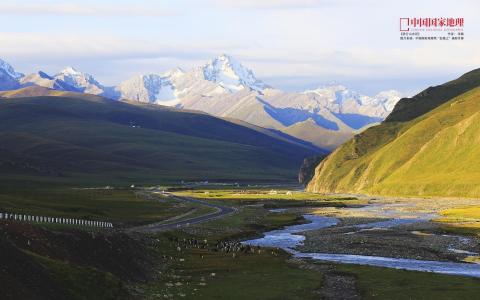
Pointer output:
x,y
383,283
269,197
254,194
461,220
212,275
120,206
463,214
83,282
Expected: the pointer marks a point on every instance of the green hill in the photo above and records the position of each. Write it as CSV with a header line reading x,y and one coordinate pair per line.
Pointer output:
x,y
84,138
426,154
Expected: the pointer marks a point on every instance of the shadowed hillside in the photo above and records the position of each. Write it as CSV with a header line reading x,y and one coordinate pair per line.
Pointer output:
x,y
73,136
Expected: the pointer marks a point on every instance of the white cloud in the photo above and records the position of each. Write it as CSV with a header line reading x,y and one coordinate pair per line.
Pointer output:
x,y
354,62
46,46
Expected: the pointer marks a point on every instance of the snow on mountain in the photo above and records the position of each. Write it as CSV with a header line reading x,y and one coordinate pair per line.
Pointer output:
x,y
221,76
8,76
341,100
7,69
230,74
388,99
81,81
152,88
43,79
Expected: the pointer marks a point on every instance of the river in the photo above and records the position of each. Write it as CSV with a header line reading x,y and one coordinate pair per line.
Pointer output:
x,y
290,237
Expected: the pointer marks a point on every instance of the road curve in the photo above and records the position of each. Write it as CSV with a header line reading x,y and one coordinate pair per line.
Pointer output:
x,y
161,226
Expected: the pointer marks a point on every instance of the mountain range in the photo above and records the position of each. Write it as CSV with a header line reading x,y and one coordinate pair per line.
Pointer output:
x,y
326,116
428,146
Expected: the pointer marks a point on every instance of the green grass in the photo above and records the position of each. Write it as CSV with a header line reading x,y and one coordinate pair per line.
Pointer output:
x,y
93,140
83,282
259,276
283,198
249,221
461,220
463,214
120,206
247,276
258,194
383,283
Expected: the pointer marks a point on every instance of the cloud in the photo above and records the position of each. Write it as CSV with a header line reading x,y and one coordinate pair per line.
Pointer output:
x,y
84,9
47,47
356,61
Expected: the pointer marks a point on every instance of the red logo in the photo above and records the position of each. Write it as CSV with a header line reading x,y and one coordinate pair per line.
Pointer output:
x,y
407,23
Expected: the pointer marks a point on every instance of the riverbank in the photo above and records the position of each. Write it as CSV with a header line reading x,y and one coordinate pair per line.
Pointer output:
x,y
421,230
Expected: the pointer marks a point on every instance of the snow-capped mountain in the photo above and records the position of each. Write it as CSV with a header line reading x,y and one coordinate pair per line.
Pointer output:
x,y
83,82
230,74
326,116
7,69
221,75
152,88
340,99
43,79
8,76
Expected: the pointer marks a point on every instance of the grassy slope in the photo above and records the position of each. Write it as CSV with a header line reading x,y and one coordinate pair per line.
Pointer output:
x,y
432,155
92,139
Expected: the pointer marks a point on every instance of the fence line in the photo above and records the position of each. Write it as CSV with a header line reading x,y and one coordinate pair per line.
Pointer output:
x,y
54,220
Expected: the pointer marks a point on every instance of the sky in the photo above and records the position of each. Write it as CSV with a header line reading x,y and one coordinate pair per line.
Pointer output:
x,y
290,44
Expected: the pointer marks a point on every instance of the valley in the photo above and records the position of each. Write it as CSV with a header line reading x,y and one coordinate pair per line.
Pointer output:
x,y
206,207
239,150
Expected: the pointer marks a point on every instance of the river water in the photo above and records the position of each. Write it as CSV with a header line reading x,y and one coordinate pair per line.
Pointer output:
x,y
290,237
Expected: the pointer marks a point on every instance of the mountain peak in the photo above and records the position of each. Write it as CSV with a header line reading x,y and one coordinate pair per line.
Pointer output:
x,y
81,81
231,74
70,70
9,70
175,72
226,58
